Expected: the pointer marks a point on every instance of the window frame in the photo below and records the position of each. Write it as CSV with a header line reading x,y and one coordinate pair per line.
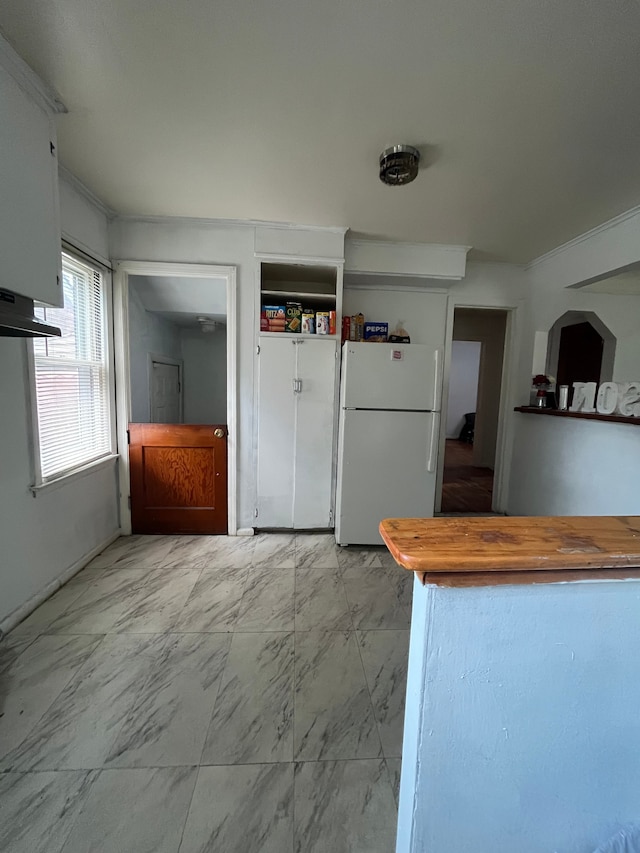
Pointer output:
x,y
40,483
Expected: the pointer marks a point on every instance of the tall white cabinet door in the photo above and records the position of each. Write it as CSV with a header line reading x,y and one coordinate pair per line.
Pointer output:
x,y
315,412
29,215
276,436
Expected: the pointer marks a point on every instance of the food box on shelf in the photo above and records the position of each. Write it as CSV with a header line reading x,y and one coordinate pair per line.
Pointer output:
x,y
276,316
376,332
294,317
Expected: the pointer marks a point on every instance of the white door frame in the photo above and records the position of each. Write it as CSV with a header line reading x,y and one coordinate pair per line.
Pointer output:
x,y
174,362
507,380
122,271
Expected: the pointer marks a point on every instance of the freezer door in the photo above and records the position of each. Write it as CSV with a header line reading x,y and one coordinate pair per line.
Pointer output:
x,y
391,376
386,469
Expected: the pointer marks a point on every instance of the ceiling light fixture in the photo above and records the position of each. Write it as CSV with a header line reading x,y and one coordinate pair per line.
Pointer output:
x,y
399,165
207,325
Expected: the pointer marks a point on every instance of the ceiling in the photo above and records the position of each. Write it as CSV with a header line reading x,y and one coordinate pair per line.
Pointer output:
x,y
182,299
525,112
192,321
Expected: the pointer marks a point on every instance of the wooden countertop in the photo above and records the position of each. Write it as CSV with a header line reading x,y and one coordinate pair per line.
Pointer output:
x,y
462,551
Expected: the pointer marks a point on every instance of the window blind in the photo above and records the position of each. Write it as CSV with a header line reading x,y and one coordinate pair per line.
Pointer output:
x,y
72,376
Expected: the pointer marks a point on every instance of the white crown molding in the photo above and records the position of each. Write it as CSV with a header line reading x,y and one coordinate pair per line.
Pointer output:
x,y
316,260
441,247
291,226
182,220
497,264
28,80
407,286
82,189
225,223
587,235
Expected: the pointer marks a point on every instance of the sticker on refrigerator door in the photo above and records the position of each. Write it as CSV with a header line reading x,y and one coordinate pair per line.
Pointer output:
x,y
397,355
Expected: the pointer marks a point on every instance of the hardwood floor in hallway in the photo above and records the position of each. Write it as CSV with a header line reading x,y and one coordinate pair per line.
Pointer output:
x,y
465,487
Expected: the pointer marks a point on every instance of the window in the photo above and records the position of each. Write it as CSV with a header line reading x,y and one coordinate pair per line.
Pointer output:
x,y
71,376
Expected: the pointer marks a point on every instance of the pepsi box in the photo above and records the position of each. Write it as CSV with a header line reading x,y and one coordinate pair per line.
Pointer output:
x,y
376,332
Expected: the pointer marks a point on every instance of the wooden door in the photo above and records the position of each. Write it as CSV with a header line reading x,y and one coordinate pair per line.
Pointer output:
x,y
276,431
178,478
313,458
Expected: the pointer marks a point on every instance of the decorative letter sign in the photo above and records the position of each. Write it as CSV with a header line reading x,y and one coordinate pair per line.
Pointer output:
x,y
629,399
584,393
621,398
607,399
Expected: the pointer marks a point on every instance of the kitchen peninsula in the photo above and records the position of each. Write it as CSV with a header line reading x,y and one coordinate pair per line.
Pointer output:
x,y
521,723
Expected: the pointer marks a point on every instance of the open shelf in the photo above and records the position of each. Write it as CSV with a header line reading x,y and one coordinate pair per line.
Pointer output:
x,y
297,336
293,295
587,416
313,287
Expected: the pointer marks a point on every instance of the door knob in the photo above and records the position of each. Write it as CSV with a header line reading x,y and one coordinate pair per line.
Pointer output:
x,y
219,433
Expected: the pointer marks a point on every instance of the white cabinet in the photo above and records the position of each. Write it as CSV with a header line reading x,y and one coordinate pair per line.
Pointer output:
x,y
296,426
29,216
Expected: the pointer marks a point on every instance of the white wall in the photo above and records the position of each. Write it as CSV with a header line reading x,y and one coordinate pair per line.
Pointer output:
x,y
521,724
149,334
422,311
566,466
202,242
41,538
463,384
84,220
204,378
549,299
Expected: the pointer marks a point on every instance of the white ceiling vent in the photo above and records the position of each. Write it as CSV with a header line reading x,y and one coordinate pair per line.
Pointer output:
x,y
399,165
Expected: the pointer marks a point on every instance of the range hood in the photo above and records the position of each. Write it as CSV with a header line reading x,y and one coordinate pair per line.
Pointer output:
x,y
17,319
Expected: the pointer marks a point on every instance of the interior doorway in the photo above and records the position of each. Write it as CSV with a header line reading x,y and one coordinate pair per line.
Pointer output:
x,y
175,370
165,390
473,410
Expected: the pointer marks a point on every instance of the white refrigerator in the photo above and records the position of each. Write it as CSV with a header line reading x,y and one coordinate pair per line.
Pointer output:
x,y
388,437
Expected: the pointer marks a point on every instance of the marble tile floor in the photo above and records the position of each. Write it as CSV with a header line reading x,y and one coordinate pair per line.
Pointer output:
x,y
192,694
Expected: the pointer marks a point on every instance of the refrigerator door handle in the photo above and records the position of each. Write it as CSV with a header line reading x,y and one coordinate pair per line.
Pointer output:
x,y
437,379
433,443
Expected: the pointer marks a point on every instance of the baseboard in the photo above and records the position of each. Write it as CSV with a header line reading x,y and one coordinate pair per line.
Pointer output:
x,y
20,613
245,531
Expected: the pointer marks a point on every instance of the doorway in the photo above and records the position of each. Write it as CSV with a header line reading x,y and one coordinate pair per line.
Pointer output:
x,y
165,390
473,410
176,400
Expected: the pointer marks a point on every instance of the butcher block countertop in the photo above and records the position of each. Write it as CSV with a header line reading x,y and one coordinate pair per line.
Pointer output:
x,y
489,551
